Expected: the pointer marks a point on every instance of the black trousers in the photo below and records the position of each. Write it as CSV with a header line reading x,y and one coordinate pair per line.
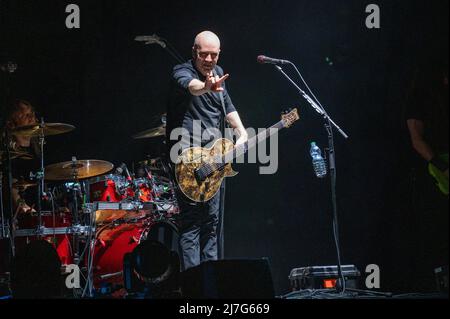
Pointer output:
x,y
198,230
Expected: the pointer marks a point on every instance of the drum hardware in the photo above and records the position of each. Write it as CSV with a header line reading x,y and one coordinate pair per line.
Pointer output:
x,y
7,222
132,205
143,203
72,172
108,276
156,166
52,227
40,130
89,211
152,164
47,231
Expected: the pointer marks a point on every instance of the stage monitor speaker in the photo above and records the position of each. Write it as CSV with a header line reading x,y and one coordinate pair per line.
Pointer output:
x,y
229,279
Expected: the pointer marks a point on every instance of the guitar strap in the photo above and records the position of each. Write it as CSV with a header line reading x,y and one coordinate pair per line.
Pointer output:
x,y
222,102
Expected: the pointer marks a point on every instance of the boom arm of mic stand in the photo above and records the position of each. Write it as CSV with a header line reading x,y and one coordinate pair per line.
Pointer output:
x,y
166,46
315,106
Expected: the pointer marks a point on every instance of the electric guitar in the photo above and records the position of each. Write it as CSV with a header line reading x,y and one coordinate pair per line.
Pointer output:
x,y
199,171
440,179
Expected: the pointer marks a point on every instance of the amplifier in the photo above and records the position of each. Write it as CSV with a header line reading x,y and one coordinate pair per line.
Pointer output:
x,y
322,277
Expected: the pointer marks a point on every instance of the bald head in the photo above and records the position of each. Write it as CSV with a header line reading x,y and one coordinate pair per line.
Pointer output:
x,y
206,38
205,51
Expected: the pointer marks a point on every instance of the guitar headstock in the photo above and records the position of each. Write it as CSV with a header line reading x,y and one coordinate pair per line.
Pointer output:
x,y
289,117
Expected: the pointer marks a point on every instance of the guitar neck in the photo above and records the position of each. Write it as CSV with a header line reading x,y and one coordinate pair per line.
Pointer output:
x,y
243,148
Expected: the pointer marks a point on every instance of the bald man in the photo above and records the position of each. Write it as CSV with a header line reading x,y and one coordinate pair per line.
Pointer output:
x,y
199,98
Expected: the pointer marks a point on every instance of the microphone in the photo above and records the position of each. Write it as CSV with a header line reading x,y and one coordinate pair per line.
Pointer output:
x,y
150,39
264,59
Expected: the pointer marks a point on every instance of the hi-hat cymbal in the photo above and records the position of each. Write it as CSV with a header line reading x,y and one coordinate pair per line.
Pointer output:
x,y
45,129
74,170
153,132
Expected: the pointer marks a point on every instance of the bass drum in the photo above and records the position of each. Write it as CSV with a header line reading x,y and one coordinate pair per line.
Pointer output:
x,y
113,242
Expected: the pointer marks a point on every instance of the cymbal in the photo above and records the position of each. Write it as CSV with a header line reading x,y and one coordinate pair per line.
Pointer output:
x,y
23,184
77,170
45,129
153,132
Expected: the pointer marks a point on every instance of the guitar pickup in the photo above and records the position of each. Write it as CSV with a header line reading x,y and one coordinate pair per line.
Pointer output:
x,y
200,176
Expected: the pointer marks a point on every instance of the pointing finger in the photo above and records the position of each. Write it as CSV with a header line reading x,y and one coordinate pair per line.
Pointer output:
x,y
223,78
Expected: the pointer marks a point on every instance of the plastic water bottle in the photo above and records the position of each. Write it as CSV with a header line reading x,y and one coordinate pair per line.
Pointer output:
x,y
320,168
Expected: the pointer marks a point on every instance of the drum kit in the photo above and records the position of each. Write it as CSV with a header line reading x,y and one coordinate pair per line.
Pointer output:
x,y
92,214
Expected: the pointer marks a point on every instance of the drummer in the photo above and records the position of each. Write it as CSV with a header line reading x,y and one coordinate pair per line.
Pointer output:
x,y
22,113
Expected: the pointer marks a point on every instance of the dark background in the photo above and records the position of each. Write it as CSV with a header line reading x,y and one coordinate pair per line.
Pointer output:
x,y
111,87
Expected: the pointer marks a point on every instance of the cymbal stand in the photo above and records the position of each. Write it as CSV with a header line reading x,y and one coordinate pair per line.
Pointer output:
x,y
3,233
8,218
76,190
88,290
9,68
40,177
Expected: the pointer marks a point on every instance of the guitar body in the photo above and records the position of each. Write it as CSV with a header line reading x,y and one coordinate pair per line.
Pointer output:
x,y
440,179
191,159
199,171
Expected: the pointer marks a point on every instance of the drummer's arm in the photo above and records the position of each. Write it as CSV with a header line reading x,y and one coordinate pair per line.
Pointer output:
x,y
15,195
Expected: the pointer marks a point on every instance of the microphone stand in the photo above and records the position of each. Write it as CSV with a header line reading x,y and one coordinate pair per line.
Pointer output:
x,y
165,45
340,284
